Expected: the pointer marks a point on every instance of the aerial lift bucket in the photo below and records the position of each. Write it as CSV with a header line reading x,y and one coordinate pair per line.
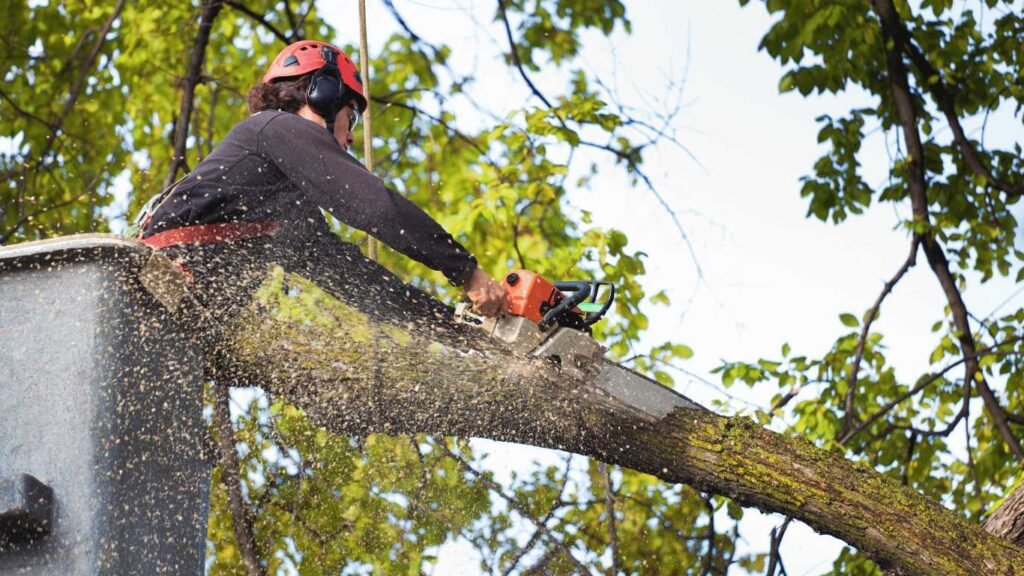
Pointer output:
x,y
104,465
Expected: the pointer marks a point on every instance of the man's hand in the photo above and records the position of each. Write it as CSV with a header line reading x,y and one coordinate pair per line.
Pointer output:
x,y
488,297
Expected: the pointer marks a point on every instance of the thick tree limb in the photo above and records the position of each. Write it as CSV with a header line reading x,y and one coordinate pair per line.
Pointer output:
x,y
1008,520
208,12
440,381
908,118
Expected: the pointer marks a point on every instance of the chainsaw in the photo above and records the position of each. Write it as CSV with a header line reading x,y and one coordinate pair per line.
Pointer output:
x,y
552,321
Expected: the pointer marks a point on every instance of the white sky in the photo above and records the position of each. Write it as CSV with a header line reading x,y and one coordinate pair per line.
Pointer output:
x,y
772,276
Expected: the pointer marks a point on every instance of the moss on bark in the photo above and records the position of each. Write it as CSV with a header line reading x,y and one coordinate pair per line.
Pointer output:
x,y
355,374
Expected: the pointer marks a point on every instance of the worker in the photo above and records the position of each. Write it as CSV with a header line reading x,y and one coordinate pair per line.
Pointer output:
x,y
257,198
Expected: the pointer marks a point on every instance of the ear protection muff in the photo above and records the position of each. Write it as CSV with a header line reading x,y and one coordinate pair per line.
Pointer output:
x,y
326,92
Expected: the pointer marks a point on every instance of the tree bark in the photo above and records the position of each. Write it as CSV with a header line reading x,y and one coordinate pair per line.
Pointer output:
x,y
354,375
207,14
1008,520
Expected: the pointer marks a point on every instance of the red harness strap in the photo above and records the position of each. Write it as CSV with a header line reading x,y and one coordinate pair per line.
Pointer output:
x,y
211,234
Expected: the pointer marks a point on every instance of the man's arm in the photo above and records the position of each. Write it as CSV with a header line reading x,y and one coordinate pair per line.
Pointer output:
x,y
310,157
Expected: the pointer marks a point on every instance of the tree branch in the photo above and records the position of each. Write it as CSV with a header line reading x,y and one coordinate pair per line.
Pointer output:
x,y
438,120
543,521
851,382
90,60
1008,520
208,12
39,212
907,115
259,19
76,90
499,395
515,56
609,501
25,113
628,157
416,38
921,385
231,477
290,15
496,488
709,558
931,80
774,554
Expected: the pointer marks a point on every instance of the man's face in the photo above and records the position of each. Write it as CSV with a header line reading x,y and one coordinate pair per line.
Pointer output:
x,y
344,124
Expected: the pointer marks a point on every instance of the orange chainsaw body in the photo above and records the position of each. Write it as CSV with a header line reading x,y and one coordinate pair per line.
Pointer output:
x,y
530,295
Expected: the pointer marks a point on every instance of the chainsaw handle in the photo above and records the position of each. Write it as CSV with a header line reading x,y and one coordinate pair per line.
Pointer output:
x,y
578,293
593,317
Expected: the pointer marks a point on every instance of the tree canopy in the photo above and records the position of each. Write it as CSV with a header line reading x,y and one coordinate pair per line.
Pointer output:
x,y
105,104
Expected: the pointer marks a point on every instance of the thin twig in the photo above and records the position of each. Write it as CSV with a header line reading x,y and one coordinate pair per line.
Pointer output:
x,y
39,212
544,521
921,385
76,90
872,314
260,19
630,157
609,500
775,553
416,38
497,489
25,113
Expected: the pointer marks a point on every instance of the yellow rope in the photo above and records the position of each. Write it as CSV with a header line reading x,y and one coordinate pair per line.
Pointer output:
x,y
364,64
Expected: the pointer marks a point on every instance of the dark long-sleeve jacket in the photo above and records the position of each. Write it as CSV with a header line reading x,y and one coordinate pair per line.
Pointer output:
x,y
277,166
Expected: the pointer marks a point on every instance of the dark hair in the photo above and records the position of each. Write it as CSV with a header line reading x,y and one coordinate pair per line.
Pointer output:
x,y
287,94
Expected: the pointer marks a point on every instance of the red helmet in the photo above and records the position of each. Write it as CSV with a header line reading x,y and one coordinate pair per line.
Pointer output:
x,y
304,56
